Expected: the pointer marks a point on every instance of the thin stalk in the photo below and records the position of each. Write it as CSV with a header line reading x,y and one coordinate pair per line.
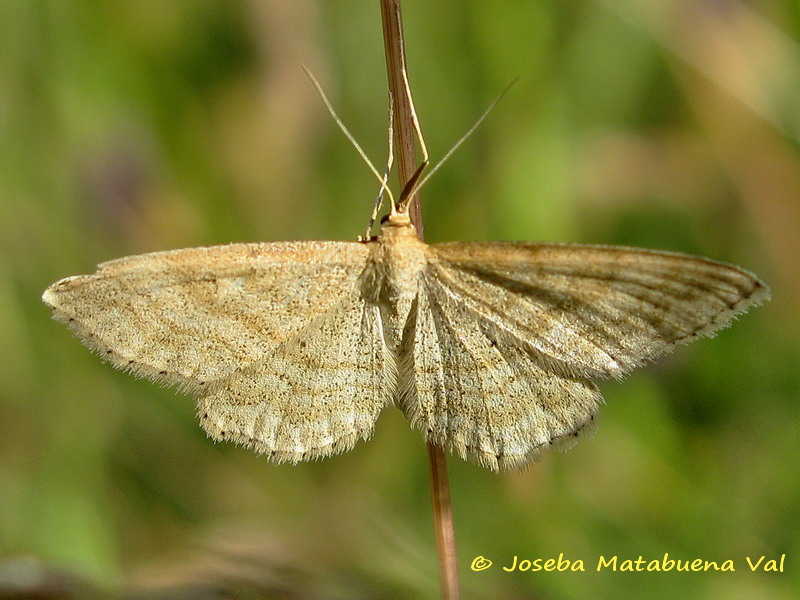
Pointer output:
x,y
405,128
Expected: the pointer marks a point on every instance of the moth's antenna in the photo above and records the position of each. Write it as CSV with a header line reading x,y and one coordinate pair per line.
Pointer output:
x,y
411,188
389,163
418,184
348,135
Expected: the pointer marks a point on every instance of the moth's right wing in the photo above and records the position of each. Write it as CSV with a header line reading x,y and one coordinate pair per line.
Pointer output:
x,y
281,340
314,395
190,317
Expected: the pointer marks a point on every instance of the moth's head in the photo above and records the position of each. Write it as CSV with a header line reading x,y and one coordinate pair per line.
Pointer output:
x,y
398,224
396,219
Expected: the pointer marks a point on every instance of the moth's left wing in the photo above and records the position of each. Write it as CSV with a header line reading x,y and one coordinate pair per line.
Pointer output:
x,y
469,386
503,340
601,310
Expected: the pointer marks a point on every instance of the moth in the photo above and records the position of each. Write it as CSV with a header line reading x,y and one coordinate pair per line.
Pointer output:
x,y
490,349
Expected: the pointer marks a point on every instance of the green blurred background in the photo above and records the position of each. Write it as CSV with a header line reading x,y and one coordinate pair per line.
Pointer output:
x,y
128,127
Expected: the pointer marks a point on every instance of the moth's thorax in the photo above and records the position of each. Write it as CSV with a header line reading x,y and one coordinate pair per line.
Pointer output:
x,y
403,256
400,259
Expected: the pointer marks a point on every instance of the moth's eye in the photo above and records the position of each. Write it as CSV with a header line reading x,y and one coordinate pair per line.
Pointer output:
x,y
384,219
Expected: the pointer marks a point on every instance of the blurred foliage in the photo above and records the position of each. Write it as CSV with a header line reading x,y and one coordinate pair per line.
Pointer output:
x,y
128,127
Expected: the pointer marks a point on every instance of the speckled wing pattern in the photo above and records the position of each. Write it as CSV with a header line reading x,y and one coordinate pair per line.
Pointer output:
x,y
314,396
507,336
275,338
288,349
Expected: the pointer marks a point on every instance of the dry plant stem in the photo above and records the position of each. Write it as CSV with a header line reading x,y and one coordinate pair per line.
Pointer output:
x,y
443,522
407,165
406,154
